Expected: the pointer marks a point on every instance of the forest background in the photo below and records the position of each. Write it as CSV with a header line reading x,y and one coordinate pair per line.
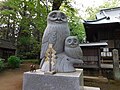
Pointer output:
x,y
23,21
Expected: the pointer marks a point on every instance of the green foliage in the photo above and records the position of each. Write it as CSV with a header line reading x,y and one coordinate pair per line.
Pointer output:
x,y
92,11
14,62
24,40
1,65
74,20
25,19
110,4
33,61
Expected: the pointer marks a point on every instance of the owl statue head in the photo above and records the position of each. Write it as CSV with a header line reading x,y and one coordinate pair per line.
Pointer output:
x,y
71,41
56,17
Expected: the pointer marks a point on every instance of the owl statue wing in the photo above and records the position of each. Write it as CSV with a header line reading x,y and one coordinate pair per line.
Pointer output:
x,y
79,52
49,38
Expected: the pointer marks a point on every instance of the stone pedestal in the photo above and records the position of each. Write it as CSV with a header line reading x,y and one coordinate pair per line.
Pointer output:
x,y
60,81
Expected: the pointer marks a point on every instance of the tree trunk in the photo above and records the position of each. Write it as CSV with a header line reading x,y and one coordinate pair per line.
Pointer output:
x,y
56,4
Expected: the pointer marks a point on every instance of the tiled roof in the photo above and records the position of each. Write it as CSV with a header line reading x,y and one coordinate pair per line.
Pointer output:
x,y
111,15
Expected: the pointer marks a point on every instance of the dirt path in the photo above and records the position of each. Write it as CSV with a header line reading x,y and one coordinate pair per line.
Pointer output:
x,y
112,85
12,79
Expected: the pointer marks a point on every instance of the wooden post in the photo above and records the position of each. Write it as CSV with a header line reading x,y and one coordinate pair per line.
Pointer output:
x,y
116,72
99,62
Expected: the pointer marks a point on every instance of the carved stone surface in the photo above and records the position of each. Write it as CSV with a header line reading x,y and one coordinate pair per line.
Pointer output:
x,y
65,63
72,48
58,81
67,47
55,33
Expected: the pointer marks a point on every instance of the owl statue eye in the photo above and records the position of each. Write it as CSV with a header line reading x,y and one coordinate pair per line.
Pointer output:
x,y
69,40
53,15
75,40
62,16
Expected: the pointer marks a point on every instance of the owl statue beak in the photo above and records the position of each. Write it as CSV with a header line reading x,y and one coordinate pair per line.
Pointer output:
x,y
58,20
73,45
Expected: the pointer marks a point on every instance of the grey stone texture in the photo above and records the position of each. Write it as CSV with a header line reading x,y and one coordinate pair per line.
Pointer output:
x,y
72,48
59,81
91,88
116,71
67,47
56,32
65,63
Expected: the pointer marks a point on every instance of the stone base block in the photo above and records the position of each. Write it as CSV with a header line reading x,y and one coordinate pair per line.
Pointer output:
x,y
59,81
91,88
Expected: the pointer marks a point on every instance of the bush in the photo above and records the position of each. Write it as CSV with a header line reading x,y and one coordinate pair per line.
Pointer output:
x,y
1,65
14,62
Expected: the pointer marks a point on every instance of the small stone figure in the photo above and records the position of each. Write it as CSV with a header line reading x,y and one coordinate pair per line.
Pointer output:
x,y
32,68
72,54
72,48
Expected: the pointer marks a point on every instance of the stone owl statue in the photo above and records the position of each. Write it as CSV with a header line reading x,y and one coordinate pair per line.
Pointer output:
x,y
56,32
72,54
72,48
